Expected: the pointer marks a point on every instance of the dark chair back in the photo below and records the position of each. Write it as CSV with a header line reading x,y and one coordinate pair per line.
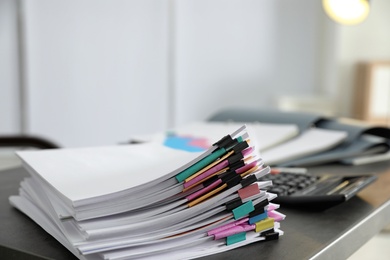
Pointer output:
x,y
26,141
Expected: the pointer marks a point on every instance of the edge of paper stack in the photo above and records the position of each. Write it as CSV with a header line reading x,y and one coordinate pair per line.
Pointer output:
x,y
175,205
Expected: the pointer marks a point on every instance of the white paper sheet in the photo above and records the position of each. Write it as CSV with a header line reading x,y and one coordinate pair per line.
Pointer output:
x,y
311,141
83,173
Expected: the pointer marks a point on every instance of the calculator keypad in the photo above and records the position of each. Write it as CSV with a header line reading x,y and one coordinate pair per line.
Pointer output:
x,y
286,184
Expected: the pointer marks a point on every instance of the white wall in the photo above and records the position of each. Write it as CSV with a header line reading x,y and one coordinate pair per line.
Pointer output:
x,y
368,41
244,53
101,71
96,70
9,77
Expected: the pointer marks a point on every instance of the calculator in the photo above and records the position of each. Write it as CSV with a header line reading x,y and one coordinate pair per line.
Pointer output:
x,y
311,192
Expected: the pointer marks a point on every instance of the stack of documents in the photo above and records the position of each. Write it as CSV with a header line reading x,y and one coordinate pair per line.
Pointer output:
x,y
269,135
321,139
278,143
151,201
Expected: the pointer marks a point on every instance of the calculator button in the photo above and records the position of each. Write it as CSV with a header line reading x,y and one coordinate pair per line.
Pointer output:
x,y
291,191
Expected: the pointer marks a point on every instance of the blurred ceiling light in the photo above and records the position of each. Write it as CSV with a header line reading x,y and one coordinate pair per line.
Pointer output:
x,y
348,12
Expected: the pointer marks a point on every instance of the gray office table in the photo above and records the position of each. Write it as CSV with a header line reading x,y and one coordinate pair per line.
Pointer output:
x,y
331,234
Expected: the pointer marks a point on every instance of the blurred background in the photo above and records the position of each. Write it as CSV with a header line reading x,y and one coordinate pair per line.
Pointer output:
x,y
85,73
94,72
